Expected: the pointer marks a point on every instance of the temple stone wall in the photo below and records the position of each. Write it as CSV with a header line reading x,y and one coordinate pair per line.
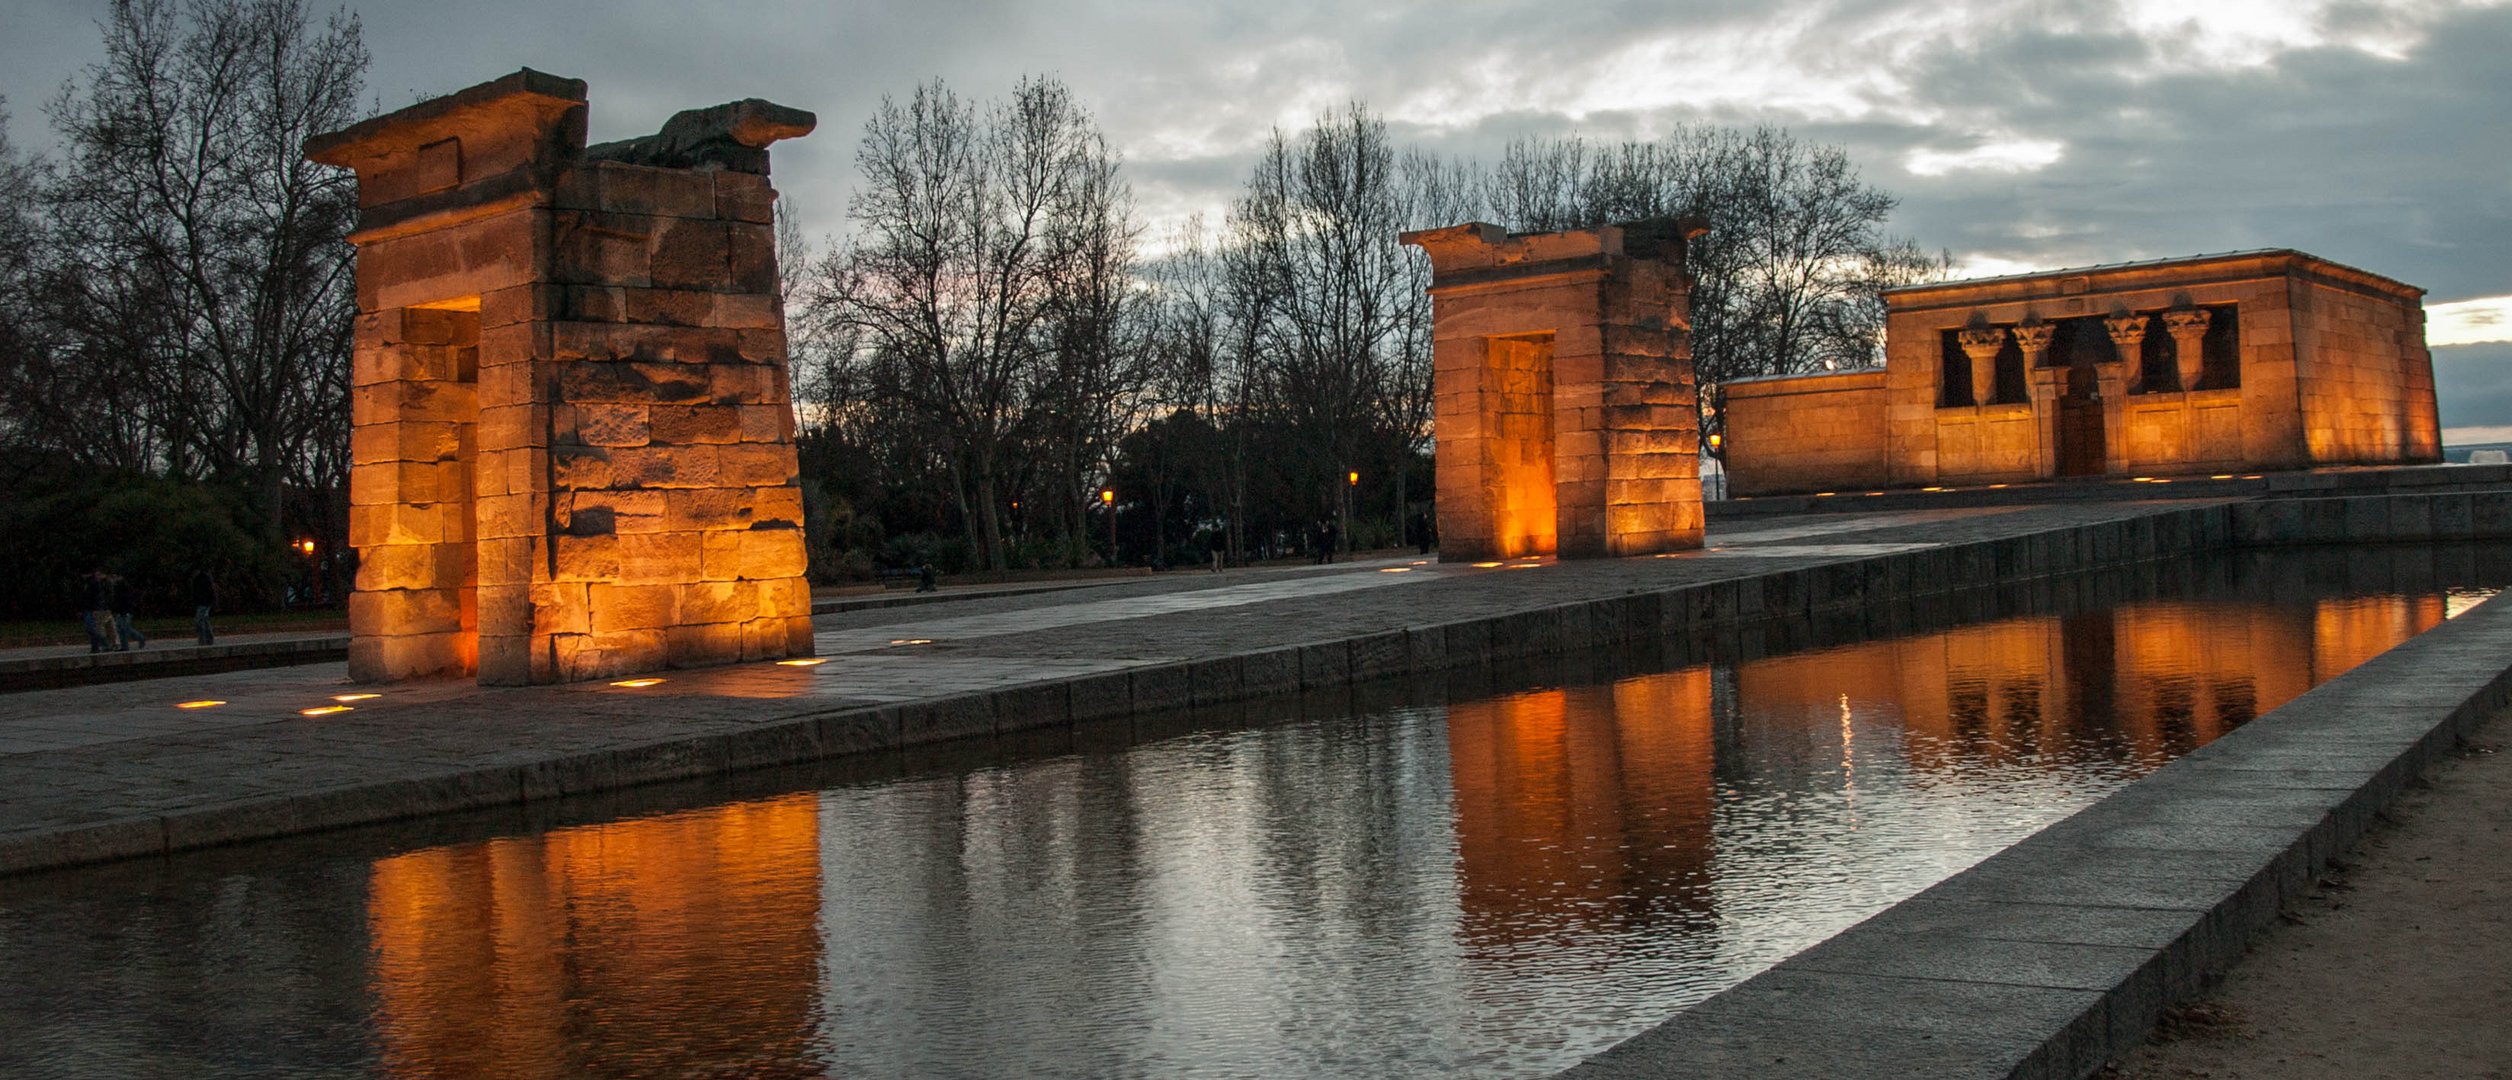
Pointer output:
x,y
2215,364
2367,378
572,428
1566,416
1809,433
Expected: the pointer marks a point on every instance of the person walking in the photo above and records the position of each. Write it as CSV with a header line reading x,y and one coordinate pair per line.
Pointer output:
x,y
96,609
204,597
125,607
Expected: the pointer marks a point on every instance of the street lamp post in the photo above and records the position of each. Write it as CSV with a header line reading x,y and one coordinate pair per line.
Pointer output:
x,y
1107,499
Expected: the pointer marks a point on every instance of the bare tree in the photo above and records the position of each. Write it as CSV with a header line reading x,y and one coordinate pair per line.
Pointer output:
x,y
965,226
203,259
1315,230
1789,276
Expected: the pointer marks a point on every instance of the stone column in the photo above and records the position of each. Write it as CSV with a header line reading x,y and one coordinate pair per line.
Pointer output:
x,y
2033,338
1982,346
2128,335
2188,327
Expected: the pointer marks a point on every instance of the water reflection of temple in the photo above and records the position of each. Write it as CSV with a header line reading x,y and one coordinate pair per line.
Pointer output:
x,y
677,945
1591,807
1582,805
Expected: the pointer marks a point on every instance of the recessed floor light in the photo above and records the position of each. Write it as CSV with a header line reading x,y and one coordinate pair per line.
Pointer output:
x,y
355,697
806,661
324,710
637,684
204,704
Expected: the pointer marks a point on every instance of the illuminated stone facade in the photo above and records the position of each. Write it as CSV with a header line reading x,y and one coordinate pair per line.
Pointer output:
x,y
2219,363
573,442
1565,411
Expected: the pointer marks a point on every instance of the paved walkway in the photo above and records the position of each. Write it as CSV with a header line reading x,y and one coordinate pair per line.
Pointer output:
x,y
2399,964
129,757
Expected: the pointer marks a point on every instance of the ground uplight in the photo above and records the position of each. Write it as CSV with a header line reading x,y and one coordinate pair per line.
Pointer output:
x,y
805,661
346,698
202,704
324,710
637,684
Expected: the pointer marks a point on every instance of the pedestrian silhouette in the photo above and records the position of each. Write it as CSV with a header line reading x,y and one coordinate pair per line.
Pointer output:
x,y
96,609
204,597
125,607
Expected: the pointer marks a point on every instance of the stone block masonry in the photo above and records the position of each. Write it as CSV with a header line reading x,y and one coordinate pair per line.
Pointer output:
x,y
2216,364
572,428
1562,390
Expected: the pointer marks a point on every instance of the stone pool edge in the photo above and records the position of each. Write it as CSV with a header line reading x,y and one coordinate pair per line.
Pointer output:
x,y
1823,589
2059,953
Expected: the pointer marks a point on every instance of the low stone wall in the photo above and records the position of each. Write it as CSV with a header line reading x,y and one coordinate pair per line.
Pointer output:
x,y
1804,433
81,669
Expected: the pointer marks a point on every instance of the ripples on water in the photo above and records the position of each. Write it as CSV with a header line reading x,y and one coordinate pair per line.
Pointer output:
x,y
1498,885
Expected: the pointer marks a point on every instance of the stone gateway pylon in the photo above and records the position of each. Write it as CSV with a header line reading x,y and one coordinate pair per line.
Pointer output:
x,y
1566,415
572,449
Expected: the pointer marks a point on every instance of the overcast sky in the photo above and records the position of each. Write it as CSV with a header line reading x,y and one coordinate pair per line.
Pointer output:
x,y
2018,134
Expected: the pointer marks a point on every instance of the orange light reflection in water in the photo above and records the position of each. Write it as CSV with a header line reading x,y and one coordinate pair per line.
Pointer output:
x,y
678,945
690,942
1570,802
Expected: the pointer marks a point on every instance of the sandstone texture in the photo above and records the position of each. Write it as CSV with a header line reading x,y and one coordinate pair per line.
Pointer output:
x,y
1568,420
2214,364
573,436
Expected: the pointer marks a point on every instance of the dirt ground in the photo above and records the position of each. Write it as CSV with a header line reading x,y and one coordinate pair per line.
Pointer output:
x,y
2398,965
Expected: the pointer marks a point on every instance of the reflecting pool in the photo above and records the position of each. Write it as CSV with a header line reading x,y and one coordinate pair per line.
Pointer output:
x,y
1493,875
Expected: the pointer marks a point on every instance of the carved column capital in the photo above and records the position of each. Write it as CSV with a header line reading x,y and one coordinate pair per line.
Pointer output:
x,y
1982,346
2034,338
2127,331
2188,327
2186,321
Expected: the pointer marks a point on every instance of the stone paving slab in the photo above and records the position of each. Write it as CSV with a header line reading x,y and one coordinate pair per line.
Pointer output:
x,y
105,772
2056,955
50,666
106,760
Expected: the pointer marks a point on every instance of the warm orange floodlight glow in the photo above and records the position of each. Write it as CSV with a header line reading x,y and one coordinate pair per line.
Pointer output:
x,y
306,545
204,703
807,661
1993,486
345,698
637,684
1825,494
324,710
1107,496
1353,478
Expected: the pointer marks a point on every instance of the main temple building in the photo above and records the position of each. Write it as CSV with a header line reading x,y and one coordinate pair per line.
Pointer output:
x,y
2241,362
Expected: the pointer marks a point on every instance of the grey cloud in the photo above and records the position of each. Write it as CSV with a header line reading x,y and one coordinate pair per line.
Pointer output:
x,y
2473,384
2393,165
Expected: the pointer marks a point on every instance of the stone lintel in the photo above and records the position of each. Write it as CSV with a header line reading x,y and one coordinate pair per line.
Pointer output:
x,y
525,94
